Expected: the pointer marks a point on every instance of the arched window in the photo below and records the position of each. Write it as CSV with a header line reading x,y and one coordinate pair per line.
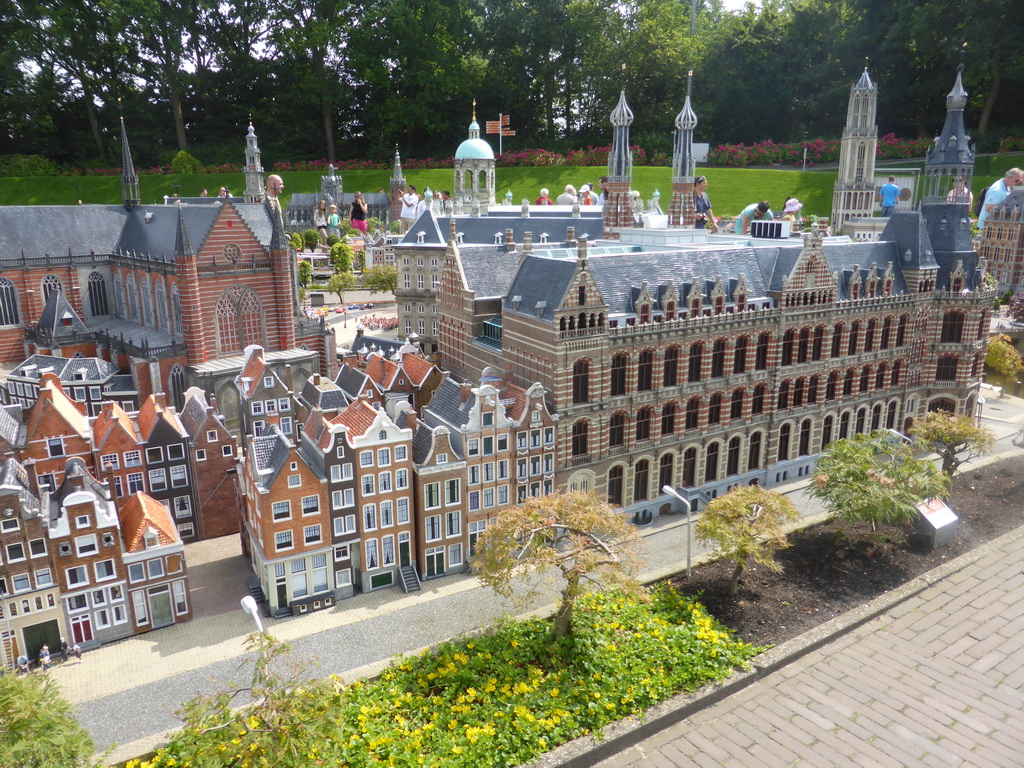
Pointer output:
x,y
732,458
861,419
619,363
886,333
869,335
865,378
783,395
901,331
667,470
645,371
788,341
641,480
830,386
826,432
579,438
176,385
736,406
739,357
643,423
711,463
51,283
132,299
176,308
239,320
147,301
890,416
118,296
757,401
754,452
837,340
818,345
761,352
690,468
876,417
805,438
617,430
668,419
784,433
946,368
9,314
161,305
718,359
581,381
98,295
844,425
851,347
670,369
615,485
715,408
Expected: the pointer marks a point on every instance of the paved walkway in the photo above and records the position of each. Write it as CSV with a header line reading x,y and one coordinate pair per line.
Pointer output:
x,y
127,692
938,680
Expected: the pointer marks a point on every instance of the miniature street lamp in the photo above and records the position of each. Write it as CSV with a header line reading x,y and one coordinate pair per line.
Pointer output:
x,y
249,606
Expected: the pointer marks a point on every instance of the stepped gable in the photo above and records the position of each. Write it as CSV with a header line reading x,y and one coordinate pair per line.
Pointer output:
x,y
141,513
59,230
59,318
152,230
111,417
489,269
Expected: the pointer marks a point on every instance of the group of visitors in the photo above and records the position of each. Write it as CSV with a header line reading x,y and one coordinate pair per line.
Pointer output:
x,y
45,659
327,221
413,206
704,217
585,196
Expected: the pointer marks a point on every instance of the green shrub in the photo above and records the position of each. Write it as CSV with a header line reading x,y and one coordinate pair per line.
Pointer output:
x,y
27,165
311,239
373,224
183,162
295,241
395,227
341,257
38,726
332,240
497,700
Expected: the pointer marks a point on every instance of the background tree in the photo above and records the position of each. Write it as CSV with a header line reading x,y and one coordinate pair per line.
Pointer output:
x,y
380,279
341,257
1002,357
747,524
305,273
576,534
38,725
956,437
875,479
341,282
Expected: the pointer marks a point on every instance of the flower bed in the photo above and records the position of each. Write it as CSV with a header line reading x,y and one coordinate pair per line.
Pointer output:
x,y
497,700
818,151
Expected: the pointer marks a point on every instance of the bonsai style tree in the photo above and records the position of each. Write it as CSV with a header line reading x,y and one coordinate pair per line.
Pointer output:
x,y
581,537
1002,357
747,524
955,437
875,478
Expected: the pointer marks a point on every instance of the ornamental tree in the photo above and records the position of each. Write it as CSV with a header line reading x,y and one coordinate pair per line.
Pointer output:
x,y
341,282
747,524
574,534
38,725
876,479
1002,357
956,437
341,257
380,279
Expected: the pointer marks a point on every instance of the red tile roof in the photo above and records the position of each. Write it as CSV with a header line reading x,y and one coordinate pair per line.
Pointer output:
x,y
253,370
358,417
381,371
140,513
52,398
417,369
112,417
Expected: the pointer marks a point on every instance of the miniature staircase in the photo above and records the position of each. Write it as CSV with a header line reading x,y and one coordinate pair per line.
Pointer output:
x,y
410,581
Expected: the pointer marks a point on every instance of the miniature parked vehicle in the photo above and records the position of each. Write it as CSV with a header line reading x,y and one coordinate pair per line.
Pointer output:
x,y
339,310
354,306
367,305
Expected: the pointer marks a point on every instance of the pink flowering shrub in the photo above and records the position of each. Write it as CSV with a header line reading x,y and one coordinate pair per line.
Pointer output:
x,y
818,151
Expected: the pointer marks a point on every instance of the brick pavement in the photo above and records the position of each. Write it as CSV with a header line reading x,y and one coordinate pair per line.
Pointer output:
x,y
936,680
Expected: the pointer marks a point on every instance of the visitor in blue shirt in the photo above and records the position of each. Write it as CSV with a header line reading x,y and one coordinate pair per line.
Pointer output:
x,y
998,192
889,193
753,212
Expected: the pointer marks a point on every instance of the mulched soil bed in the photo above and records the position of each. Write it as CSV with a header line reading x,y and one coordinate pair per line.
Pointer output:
x,y
825,575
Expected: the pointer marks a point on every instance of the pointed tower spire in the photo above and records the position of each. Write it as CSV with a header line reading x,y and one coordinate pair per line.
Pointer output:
x,y
949,162
681,209
182,239
129,179
253,167
397,188
854,193
617,210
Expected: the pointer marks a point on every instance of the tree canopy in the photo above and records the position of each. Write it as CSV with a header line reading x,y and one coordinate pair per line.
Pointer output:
x,y
335,79
956,437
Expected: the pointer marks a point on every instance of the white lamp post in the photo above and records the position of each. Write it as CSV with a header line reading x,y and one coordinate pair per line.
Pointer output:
x,y
689,523
249,606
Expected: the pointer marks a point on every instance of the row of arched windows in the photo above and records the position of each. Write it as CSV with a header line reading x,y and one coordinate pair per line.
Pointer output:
x,y
146,304
10,312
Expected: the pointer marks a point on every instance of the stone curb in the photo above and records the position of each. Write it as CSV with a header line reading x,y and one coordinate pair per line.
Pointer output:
x,y
619,736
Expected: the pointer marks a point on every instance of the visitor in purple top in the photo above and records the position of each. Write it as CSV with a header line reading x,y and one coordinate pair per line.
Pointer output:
x,y
888,194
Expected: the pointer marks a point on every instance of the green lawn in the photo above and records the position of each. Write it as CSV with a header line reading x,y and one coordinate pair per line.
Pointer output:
x,y
730,189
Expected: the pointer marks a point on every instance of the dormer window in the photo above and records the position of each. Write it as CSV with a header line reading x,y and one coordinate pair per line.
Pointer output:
x,y
421,237
498,238
152,540
957,284
268,382
855,291
458,238
695,306
543,237
719,304
670,311
741,302
645,313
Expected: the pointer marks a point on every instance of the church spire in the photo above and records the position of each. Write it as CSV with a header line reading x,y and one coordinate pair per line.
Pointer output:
x,y
253,167
129,179
681,210
182,239
949,162
617,210
854,195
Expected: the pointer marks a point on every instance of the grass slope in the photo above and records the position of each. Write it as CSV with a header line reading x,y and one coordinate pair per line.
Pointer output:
x,y
730,189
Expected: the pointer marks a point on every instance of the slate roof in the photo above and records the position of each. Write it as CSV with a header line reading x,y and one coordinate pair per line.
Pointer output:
x,y
194,413
489,269
422,439
270,452
152,230
111,417
483,229
327,396
10,427
93,369
14,476
908,231
140,513
122,383
59,318
843,257
350,380
447,407
57,230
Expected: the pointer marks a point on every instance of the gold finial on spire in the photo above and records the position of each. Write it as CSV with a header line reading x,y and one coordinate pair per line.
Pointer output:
x,y
474,110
